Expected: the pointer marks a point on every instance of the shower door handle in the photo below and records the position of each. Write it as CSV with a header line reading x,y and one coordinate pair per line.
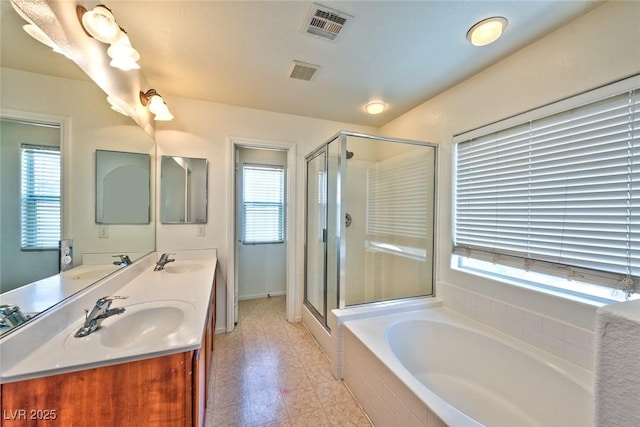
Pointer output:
x,y
347,220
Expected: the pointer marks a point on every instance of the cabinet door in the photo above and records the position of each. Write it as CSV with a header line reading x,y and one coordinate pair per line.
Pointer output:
x,y
151,392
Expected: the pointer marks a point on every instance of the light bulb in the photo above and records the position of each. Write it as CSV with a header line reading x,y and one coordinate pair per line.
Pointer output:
x,y
100,23
487,31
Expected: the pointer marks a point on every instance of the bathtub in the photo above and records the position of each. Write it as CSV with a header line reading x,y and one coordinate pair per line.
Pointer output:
x,y
444,368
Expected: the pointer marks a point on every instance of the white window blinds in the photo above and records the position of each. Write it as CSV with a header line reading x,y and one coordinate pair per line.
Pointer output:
x,y
396,196
40,197
263,204
559,195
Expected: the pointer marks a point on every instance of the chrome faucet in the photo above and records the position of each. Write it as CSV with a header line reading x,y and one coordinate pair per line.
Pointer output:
x,y
11,315
99,312
124,260
164,260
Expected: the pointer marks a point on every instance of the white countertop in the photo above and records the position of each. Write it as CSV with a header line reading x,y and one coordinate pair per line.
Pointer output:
x,y
188,288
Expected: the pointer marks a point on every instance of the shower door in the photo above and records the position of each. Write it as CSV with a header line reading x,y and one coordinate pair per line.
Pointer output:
x,y
316,233
323,230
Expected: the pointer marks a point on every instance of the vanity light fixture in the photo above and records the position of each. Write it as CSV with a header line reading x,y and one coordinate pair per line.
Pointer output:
x,y
100,24
152,100
375,107
487,31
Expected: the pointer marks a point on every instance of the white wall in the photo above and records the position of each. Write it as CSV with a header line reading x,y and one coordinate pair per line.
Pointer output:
x,y
203,129
598,48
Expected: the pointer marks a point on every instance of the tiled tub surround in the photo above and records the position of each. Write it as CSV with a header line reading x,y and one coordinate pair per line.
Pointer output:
x,y
441,368
39,348
570,342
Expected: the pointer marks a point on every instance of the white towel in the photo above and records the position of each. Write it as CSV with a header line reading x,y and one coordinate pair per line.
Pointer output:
x,y
617,375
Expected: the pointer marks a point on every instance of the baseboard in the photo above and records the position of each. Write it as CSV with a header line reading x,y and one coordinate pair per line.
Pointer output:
x,y
265,295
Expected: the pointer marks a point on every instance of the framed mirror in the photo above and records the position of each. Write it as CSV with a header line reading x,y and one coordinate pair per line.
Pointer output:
x,y
183,190
122,188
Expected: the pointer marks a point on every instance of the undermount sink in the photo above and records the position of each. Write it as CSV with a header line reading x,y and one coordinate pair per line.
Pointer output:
x,y
147,324
182,268
140,324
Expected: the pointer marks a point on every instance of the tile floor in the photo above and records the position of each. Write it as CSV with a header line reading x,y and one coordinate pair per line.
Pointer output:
x,y
269,372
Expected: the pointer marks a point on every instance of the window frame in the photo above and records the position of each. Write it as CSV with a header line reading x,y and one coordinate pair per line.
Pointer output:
x,y
585,288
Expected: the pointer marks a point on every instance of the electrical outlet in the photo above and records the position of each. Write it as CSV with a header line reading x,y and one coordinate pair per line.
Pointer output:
x,y
201,231
103,231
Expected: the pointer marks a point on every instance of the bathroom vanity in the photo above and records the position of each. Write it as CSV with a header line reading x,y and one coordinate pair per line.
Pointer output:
x,y
147,366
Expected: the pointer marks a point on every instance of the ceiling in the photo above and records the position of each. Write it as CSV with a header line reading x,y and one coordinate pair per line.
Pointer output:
x,y
240,52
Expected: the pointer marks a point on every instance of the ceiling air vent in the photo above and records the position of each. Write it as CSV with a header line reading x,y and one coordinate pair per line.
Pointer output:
x,y
302,70
325,22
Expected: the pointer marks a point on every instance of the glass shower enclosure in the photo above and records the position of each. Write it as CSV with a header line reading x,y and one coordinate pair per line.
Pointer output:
x,y
370,221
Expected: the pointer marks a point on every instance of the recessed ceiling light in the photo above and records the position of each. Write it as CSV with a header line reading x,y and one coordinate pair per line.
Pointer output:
x,y
487,31
375,107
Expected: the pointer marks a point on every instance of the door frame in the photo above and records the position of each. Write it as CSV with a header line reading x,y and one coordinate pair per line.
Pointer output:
x,y
290,221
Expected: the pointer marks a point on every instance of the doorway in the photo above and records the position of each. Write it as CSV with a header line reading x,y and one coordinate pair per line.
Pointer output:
x,y
262,239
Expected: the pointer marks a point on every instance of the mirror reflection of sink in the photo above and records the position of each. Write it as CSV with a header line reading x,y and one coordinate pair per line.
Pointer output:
x,y
182,268
141,324
89,273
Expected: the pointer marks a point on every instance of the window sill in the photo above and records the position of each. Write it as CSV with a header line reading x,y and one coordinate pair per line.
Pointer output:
x,y
572,290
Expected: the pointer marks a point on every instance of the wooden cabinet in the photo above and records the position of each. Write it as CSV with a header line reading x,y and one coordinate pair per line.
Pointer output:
x,y
151,392
168,390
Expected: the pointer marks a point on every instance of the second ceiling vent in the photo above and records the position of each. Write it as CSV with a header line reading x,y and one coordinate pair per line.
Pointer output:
x,y
326,23
302,70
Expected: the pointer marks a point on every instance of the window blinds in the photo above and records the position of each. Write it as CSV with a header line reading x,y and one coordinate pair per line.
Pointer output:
x,y
40,197
263,204
396,196
559,194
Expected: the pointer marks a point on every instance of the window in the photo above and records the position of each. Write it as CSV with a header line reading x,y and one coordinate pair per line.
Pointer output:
x,y
398,214
263,204
558,195
40,197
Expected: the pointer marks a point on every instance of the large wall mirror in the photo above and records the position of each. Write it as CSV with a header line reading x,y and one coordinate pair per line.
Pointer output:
x,y
46,94
183,190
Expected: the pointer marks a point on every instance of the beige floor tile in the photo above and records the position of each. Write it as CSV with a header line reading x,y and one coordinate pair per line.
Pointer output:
x,y
300,401
319,373
316,418
232,393
272,373
279,423
231,416
332,393
347,414
293,379
268,409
